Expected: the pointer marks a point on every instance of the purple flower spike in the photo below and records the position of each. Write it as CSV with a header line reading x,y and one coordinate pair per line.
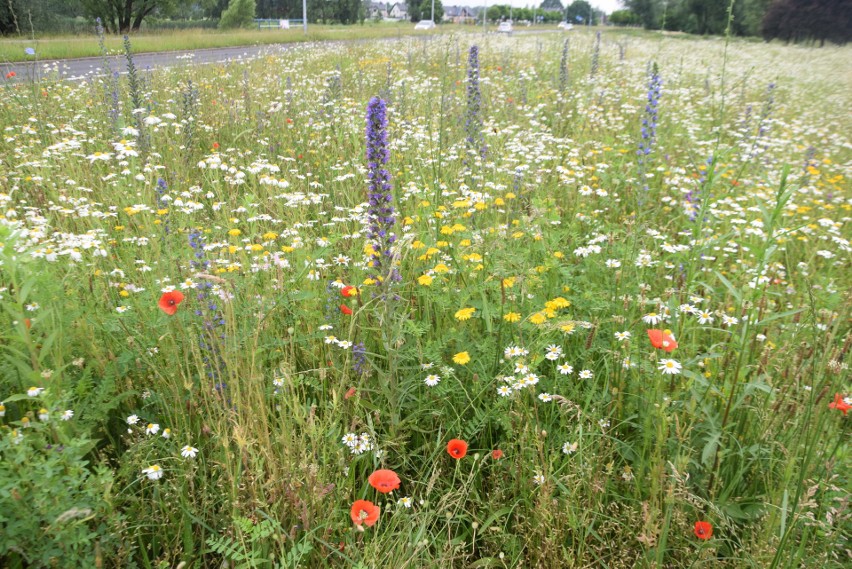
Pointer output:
x,y
381,213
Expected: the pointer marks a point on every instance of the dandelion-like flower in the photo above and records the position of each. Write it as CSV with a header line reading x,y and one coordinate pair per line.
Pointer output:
x,y
461,358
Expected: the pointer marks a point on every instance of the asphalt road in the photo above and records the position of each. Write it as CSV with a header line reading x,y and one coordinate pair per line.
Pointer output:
x,y
79,69
82,68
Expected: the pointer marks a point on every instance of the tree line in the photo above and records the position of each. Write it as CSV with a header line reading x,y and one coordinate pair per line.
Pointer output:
x,y
788,20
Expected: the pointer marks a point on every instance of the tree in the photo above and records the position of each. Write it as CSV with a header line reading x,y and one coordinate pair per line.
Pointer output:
x,y
648,12
624,18
552,5
240,14
582,9
26,16
809,20
122,16
422,10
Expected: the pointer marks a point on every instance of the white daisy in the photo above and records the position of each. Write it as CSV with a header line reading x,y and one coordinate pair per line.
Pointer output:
x,y
432,380
669,367
188,452
154,472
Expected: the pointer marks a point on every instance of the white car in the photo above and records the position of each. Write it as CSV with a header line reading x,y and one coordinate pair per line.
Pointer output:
x,y
505,28
424,25
565,26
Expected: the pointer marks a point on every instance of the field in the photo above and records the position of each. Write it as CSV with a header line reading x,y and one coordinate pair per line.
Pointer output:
x,y
473,301
70,46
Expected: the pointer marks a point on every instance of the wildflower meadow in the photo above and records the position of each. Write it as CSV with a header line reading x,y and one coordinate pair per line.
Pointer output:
x,y
552,300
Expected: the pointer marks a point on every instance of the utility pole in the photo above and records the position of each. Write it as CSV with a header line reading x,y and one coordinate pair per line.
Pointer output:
x,y
305,15
433,11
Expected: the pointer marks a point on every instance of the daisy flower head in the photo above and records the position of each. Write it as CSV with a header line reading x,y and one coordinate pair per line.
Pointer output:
x,y
553,352
565,368
432,380
504,391
652,318
189,452
669,367
622,336
570,448
152,428
586,374
153,472
545,397
34,391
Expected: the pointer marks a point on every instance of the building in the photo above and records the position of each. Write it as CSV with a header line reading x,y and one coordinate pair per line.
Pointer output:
x,y
398,11
459,14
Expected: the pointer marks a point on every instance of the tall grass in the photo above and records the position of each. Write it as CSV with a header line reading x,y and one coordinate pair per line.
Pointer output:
x,y
532,266
152,41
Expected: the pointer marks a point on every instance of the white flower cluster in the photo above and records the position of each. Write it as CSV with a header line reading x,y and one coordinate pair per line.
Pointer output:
x,y
358,444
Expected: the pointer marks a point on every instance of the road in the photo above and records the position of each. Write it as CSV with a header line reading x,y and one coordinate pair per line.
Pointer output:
x,y
80,69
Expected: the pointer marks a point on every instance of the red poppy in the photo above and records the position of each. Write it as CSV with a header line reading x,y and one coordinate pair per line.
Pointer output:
x,y
10,74
364,512
703,530
384,480
348,291
497,454
215,146
662,340
345,310
29,324
170,300
457,448
839,403
351,393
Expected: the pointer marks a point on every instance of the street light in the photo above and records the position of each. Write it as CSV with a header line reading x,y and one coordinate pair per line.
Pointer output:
x,y
433,11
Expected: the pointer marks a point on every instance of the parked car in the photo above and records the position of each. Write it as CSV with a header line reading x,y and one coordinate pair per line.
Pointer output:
x,y
505,28
424,25
565,26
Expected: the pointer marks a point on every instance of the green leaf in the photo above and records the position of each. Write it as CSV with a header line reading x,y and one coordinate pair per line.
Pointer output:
x,y
769,319
709,452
